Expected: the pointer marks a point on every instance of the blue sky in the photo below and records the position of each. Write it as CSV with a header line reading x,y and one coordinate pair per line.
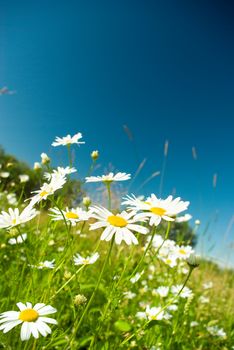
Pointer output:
x,y
163,68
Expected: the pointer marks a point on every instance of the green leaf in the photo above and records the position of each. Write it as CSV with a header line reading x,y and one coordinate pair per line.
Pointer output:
x,y
122,326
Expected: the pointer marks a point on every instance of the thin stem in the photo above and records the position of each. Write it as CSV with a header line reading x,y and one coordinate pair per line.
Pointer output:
x,y
162,309
108,186
96,287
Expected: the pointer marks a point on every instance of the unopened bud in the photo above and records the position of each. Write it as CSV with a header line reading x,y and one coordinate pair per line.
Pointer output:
x,y
37,166
44,158
79,299
193,261
95,155
86,201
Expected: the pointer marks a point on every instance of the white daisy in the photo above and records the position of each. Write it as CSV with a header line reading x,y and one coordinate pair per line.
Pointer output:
x,y
72,215
60,171
153,313
120,225
157,209
48,189
216,331
183,252
14,218
208,285
79,260
186,292
163,291
44,265
23,178
109,178
68,140
18,240
33,320
44,158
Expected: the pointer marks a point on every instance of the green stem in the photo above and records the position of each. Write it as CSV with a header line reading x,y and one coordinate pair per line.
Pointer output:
x,y
96,287
162,309
108,186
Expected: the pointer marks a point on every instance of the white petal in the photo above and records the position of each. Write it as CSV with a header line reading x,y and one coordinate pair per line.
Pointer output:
x,y
34,330
21,306
47,310
38,306
25,331
48,320
8,326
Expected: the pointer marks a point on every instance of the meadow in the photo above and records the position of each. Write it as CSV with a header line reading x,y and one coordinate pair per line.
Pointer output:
x,y
82,275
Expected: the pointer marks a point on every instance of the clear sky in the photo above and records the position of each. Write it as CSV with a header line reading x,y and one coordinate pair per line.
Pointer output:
x,y
163,68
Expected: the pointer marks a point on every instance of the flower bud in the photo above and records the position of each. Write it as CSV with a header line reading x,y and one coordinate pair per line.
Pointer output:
x,y
37,166
193,261
79,299
44,158
95,155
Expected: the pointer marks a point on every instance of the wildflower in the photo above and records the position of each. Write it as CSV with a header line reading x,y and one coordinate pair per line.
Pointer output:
x,y
4,174
186,292
137,276
60,172
44,265
157,209
129,295
163,291
33,320
109,178
95,155
183,218
120,225
44,158
86,202
14,218
68,140
11,198
216,331
48,189
18,240
153,314
79,299
72,215
194,324
23,178
37,166
183,252
208,285
78,260
193,261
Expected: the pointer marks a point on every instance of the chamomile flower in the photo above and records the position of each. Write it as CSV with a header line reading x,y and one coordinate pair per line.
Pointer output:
x,y
33,320
109,178
14,217
24,178
47,189
18,240
157,209
183,252
153,313
163,291
68,140
216,331
72,215
120,225
44,265
79,260
60,171
186,292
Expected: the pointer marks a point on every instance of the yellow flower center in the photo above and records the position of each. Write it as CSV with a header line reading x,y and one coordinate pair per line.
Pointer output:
x,y
86,261
158,211
44,193
117,221
182,251
13,221
71,215
28,315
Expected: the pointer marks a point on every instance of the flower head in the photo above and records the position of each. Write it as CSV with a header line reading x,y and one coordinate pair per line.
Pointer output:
x,y
157,209
18,240
23,178
68,140
71,215
120,225
60,172
33,320
79,260
44,158
14,217
109,178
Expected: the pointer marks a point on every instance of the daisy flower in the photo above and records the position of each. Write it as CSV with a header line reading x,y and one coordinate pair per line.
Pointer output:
x,y
183,252
108,178
186,292
68,140
48,189
157,209
71,215
33,320
60,171
153,313
78,260
18,240
23,178
14,218
120,225
45,265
